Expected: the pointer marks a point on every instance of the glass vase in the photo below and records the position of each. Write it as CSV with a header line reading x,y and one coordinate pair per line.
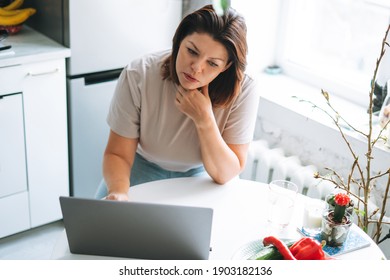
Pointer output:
x,y
332,232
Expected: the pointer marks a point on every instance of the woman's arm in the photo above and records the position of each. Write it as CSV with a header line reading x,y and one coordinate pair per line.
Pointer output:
x,y
117,163
221,161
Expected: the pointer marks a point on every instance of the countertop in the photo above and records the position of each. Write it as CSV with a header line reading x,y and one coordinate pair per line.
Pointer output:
x,y
30,46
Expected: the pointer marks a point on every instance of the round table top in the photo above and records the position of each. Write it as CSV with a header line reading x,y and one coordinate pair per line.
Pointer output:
x,y
239,215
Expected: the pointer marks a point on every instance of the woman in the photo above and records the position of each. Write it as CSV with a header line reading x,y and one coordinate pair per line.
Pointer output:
x,y
183,112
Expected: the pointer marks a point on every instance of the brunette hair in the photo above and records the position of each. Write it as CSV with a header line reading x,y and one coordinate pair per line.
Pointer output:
x,y
230,31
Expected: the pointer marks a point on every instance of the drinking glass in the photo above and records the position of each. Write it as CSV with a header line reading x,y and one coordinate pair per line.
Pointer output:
x,y
281,201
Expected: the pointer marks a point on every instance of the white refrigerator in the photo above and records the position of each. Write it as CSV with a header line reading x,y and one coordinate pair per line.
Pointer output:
x,y
103,37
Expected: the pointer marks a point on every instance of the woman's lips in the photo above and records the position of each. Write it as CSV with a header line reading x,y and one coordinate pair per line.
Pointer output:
x,y
190,78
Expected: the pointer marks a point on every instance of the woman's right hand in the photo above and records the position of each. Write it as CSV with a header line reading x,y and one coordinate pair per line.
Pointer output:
x,y
195,103
117,196
117,163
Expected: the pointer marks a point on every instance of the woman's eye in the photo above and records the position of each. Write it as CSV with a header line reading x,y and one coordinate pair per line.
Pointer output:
x,y
212,64
191,51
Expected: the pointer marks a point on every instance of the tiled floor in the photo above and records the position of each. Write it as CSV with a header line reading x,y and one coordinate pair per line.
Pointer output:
x,y
34,244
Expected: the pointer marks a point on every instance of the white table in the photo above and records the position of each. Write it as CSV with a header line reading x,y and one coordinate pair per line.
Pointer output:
x,y
239,214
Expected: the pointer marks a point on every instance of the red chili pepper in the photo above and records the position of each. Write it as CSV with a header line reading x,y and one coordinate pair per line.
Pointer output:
x,y
280,246
307,248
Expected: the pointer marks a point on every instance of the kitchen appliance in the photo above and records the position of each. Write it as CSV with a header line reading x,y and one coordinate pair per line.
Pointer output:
x,y
103,37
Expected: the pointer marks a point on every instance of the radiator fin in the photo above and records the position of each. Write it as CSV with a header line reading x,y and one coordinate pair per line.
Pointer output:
x,y
265,164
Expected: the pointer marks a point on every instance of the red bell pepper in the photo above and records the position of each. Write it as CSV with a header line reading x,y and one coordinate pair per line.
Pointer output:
x,y
307,248
280,246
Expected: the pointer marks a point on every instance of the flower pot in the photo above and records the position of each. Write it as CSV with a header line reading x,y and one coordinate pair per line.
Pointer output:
x,y
332,232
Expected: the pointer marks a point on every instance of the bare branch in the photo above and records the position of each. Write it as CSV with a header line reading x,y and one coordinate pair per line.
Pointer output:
x,y
364,179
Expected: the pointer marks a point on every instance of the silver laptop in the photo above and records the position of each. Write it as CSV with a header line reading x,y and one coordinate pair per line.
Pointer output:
x,y
136,230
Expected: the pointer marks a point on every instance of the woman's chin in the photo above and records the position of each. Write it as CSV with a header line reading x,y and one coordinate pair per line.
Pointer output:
x,y
189,85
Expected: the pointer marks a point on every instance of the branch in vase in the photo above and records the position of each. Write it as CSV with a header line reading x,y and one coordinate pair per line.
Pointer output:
x,y
326,95
383,211
380,175
340,186
380,134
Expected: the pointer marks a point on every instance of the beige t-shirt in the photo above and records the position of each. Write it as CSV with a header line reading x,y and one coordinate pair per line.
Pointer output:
x,y
143,107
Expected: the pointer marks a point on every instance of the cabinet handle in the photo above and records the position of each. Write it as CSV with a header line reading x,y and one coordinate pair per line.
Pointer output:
x,y
42,73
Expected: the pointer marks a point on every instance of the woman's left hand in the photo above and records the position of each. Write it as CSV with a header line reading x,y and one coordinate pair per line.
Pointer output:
x,y
195,103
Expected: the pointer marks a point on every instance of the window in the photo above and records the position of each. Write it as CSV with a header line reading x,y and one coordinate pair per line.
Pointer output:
x,y
334,43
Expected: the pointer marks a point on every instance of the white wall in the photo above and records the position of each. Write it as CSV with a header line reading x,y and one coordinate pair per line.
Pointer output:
x,y
262,22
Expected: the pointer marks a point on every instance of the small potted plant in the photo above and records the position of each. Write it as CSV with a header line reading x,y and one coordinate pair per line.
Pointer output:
x,y
331,203
336,221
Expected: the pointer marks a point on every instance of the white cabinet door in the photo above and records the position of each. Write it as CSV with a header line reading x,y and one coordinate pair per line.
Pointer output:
x,y
44,92
14,214
12,152
14,207
10,79
89,105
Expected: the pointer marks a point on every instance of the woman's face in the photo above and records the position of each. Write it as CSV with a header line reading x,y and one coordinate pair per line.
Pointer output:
x,y
200,60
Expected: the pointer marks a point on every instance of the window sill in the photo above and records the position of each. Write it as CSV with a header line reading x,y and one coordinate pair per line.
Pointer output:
x,y
280,111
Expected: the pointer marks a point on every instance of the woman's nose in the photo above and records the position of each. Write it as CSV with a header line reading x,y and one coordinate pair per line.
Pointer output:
x,y
196,66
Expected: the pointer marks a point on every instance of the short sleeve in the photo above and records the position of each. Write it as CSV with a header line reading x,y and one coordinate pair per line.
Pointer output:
x,y
240,126
124,113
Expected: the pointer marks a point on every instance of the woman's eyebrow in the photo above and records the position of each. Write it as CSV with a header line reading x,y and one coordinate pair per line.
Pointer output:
x,y
193,44
215,58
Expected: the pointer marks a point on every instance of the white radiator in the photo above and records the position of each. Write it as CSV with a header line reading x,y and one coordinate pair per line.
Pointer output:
x,y
265,164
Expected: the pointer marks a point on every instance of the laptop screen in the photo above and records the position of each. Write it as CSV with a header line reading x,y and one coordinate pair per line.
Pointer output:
x,y
136,230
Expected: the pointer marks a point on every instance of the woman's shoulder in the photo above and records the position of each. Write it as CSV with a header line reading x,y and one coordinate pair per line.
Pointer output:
x,y
146,67
248,84
150,60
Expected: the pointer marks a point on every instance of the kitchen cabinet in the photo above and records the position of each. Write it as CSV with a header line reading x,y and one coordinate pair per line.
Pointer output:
x,y
34,161
13,179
